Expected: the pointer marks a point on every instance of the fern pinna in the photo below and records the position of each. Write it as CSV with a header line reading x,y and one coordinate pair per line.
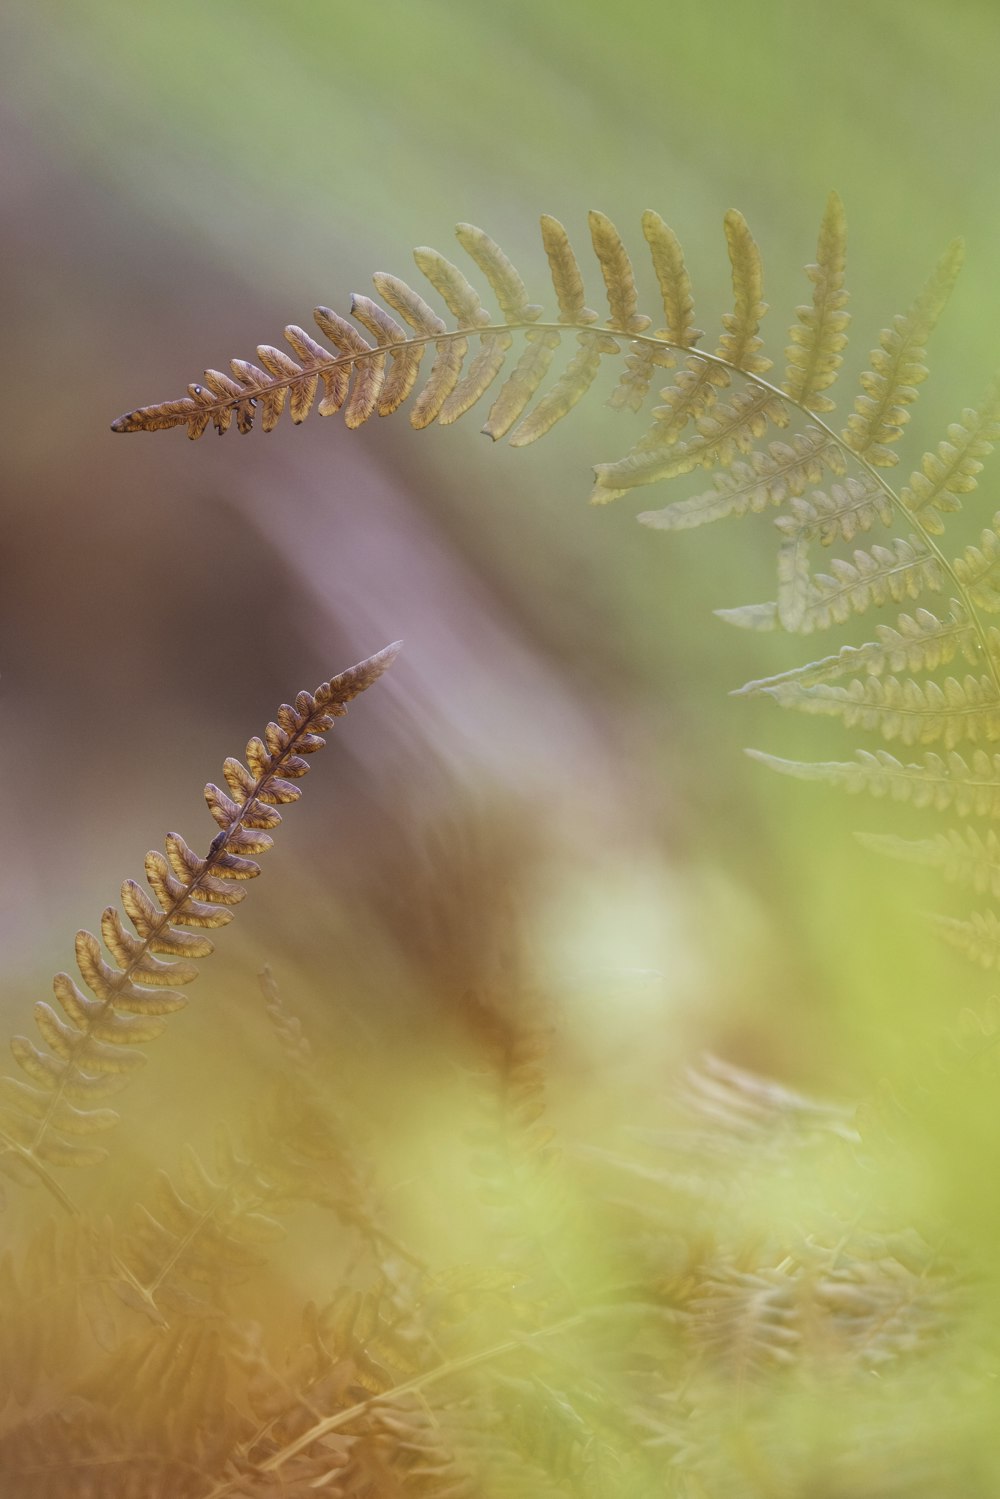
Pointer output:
x,y
720,413
90,1049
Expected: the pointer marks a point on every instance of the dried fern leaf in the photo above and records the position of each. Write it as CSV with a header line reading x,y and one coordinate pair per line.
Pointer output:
x,y
455,290
952,470
405,357
90,1047
55,1288
367,364
897,368
641,363
446,372
200,1230
964,856
424,320
886,574
644,358
819,337
908,710
970,787
755,617
409,304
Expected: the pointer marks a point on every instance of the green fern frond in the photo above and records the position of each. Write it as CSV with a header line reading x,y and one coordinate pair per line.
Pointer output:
x,y
898,367
819,338
978,569
952,470
856,505
978,938
907,710
970,787
768,477
918,642
963,855
886,574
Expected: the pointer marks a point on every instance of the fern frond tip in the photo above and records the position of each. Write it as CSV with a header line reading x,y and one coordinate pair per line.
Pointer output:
x,y
348,684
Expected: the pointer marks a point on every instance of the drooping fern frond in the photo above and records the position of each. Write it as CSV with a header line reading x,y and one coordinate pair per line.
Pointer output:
x,y
767,441
90,1048
363,378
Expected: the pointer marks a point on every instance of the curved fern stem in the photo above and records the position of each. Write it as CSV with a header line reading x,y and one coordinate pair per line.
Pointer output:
x,y
283,377
873,473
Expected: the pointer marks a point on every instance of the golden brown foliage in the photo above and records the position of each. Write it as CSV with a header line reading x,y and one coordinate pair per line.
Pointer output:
x,y
90,1049
719,413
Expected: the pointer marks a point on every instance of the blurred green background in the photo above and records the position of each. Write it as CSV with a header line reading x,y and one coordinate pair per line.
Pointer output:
x,y
179,182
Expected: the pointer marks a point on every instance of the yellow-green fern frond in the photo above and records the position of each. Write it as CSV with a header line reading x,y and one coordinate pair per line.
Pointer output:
x,y
952,470
768,478
918,642
819,337
963,855
970,787
978,938
907,710
898,367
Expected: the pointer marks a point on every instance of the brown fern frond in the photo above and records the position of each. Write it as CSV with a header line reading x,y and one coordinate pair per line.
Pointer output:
x,y
56,1292
205,1230
214,1224
365,378
89,1050
168,1391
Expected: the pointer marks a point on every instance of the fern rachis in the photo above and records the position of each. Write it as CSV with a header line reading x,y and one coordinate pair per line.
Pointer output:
x,y
91,1053
720,413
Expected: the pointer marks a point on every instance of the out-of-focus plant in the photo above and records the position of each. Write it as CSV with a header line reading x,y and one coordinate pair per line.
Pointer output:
x,y
725,1299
